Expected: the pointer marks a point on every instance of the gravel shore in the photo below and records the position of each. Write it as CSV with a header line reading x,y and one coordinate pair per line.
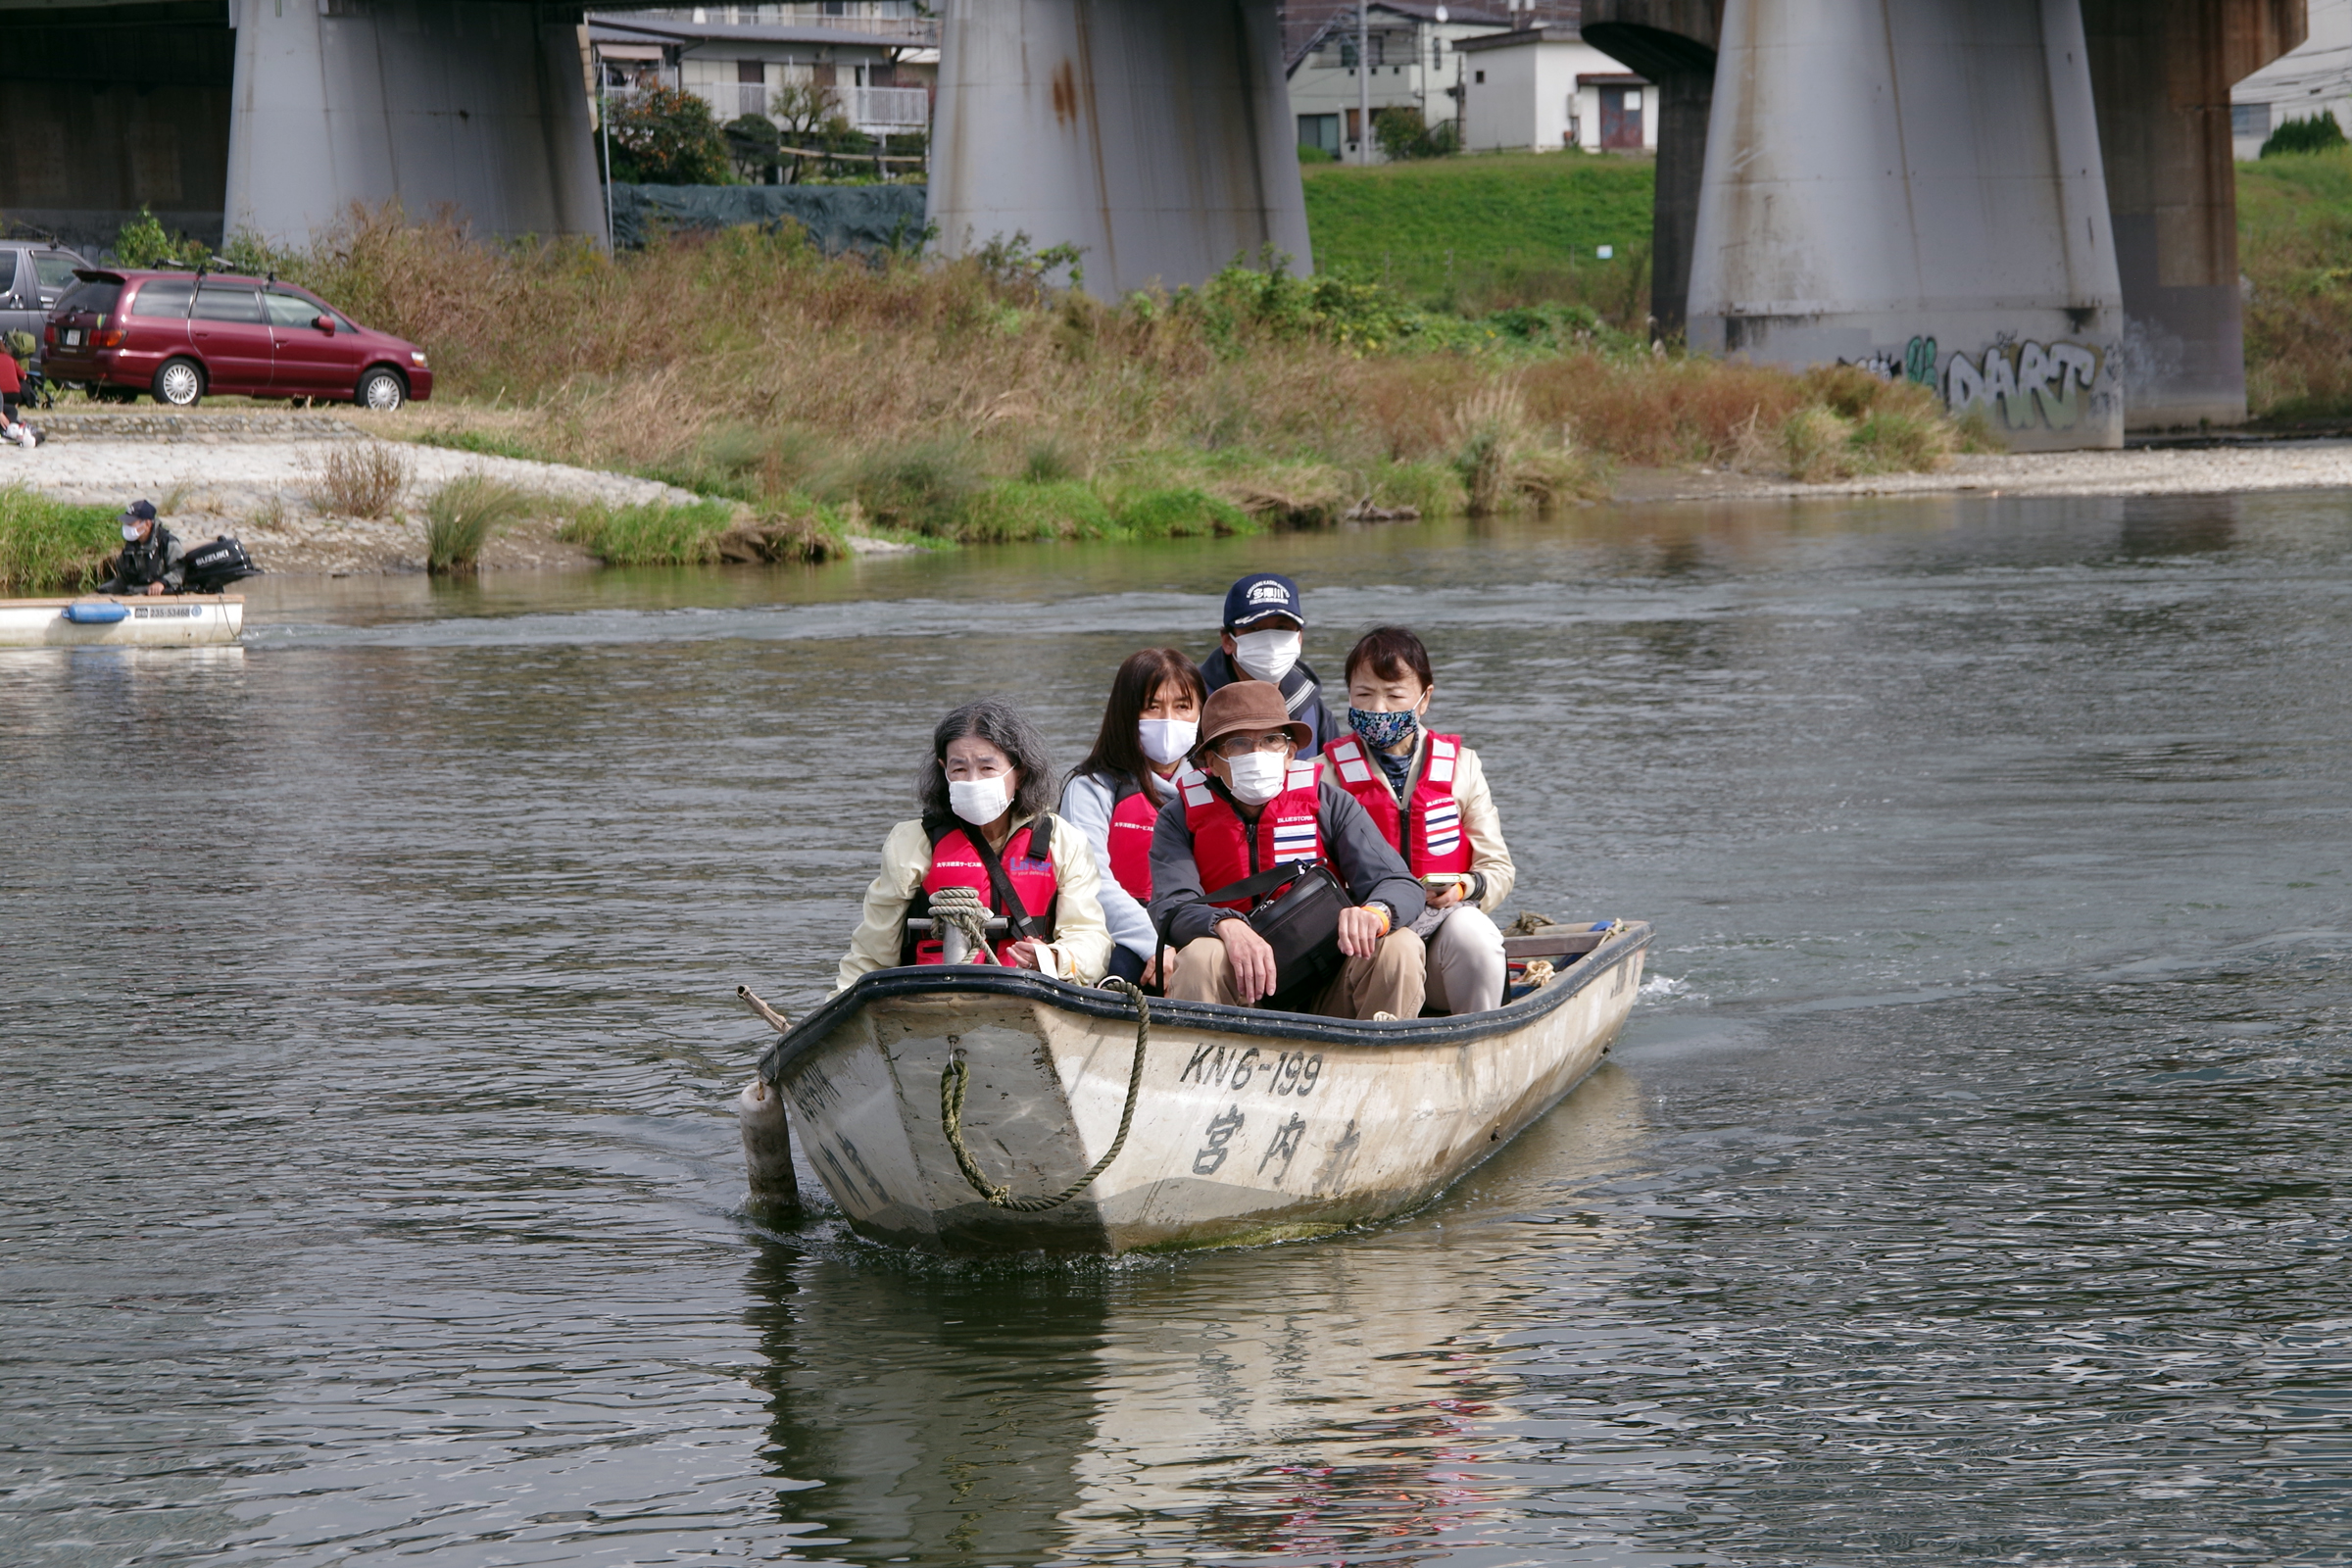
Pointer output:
x,y
253,476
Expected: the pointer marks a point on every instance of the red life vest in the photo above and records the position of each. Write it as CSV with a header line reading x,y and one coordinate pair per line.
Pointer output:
x,y
956,863
1289,828
1429,831
1133,820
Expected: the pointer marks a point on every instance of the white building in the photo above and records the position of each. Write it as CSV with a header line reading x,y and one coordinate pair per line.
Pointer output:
x,y
2315,79
1541,89
877,60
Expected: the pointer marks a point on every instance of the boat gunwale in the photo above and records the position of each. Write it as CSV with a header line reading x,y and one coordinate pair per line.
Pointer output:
x,y
973,979
120,599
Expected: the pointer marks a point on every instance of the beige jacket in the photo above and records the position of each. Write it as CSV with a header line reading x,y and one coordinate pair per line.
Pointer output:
x,y
1079,929
1490,857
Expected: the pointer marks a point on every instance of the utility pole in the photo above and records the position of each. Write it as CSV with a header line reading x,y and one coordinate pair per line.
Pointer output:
x,y
1364,82
603,123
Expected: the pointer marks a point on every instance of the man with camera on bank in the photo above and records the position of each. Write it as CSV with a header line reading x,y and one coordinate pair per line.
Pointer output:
x,y
1245,811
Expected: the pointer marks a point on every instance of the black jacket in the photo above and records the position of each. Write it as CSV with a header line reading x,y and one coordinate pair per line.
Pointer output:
x,y
1351,842
1302,692
154,559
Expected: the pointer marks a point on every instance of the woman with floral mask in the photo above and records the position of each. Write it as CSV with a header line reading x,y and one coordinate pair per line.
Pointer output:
x,y
985,829
1116,796
1427,792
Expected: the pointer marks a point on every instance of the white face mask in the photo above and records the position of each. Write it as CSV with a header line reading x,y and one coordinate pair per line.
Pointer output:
x,y
1257,777
130,531
978,801
1168,738
1266,656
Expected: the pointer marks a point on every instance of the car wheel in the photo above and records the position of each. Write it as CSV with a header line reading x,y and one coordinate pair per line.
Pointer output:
x,y
179,383
381,390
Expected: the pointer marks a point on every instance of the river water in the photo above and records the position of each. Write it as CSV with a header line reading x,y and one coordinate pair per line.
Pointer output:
x,y
1969,1188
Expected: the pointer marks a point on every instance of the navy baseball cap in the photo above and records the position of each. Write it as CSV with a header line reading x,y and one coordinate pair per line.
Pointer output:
x,y
1260,595
138,511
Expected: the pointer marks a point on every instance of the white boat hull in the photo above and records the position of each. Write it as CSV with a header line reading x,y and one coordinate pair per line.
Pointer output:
x,y
1249,1126
172,620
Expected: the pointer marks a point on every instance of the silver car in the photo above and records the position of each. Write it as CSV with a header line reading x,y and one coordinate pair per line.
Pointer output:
x,y
33,274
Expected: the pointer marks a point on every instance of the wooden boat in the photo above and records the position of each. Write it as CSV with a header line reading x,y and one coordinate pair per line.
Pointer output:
x,y
1241,1125
172,620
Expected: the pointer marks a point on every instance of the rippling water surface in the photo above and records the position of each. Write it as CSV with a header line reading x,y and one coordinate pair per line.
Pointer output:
x,y
1970,1187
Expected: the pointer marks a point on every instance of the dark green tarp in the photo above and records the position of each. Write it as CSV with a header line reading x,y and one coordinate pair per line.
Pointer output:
x,y
839,218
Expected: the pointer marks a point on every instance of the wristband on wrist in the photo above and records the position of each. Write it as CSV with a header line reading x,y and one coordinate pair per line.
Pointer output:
x,y
1388,916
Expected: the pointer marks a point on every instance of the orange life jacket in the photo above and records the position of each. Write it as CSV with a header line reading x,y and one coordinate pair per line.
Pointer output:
x,y
957,860
1225,849
1428,832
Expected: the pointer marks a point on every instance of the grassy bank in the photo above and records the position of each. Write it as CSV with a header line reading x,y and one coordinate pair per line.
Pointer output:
x,y
2295,246
48,547
980,399
1483,233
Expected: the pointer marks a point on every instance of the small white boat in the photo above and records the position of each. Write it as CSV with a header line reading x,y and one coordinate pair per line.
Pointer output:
x,y
917,1088
171,620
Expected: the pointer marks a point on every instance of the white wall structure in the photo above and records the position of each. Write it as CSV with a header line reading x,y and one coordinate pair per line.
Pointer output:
x,y
2314,77
481,106
1153,134
1414,66
1524,91
1916,186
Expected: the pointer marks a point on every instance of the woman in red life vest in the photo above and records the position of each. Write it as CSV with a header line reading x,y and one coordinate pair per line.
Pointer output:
x,y
1428,792
1116,796
984,827
1250,806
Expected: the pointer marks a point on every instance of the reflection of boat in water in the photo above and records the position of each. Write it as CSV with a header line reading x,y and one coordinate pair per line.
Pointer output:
x,y
1316,1404
172,620
1247,1125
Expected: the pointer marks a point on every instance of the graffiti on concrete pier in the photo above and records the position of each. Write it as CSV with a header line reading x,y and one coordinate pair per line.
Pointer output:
x,y
2021,384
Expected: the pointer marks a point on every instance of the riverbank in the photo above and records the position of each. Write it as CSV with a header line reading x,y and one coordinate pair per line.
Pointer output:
x,y
259,489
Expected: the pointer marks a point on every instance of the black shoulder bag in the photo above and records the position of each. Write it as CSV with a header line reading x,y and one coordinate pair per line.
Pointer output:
x,y
1296,907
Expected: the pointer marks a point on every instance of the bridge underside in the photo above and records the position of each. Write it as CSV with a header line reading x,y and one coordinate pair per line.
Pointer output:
x,y
2157,75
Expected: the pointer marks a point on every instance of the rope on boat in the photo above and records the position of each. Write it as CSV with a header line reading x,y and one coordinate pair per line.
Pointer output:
x,y
953,1079
961,909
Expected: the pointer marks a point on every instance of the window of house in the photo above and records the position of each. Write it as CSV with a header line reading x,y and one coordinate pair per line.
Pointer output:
x,y
1319,131
1479,76
2249,119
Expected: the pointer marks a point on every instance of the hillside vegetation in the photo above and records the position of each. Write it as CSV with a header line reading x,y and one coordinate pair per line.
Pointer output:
x,y
1481,234
2295,246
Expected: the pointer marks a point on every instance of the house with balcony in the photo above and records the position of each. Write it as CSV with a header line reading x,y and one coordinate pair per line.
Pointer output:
x,y
877,60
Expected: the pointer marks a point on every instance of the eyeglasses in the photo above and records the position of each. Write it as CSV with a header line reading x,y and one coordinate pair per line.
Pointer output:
x,y
1232,746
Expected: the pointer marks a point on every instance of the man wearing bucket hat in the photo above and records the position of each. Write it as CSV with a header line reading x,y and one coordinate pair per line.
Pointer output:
x,y
1265,625
150,560
1247,805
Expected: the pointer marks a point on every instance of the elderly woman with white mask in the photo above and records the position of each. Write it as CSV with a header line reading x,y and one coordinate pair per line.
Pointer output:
x,y
1265,628
986,833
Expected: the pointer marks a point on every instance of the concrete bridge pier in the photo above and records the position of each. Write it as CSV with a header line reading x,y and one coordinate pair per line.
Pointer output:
x,y
1915,186
477,105
1154,135
2162,71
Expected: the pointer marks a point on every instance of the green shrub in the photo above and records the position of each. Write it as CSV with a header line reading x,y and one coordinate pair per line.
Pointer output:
x,y
142,243
47,546
1183,513
921,486
656,533
1403,134
2313,133
464,515
1013,511
665,136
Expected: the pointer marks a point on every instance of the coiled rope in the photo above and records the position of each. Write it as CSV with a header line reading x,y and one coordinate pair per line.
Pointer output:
x,y
961,909
953,1079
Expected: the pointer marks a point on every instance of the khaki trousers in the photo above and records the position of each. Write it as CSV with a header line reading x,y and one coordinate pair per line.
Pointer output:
x,y
1391,981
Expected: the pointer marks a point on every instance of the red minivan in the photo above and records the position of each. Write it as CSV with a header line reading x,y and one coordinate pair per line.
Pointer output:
x,y
180,335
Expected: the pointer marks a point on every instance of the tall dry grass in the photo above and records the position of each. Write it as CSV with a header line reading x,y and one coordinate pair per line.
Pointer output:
x,y
744,363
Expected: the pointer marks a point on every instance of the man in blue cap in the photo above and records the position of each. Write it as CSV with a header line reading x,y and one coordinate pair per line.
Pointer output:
x,y
1265,622
150,560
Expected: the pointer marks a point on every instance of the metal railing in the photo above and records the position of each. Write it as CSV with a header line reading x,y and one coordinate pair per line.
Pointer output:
x,y
913,30
874,109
